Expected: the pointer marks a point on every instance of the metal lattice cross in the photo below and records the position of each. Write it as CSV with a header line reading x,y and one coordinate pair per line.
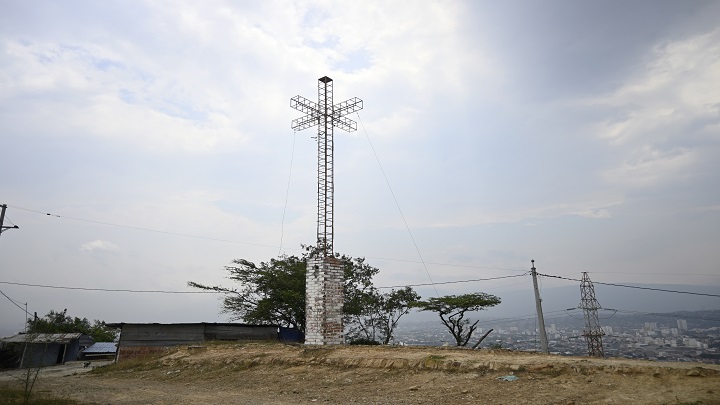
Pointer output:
x,y
326,116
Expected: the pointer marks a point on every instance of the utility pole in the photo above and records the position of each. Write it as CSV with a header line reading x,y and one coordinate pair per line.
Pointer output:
x,y
538,307
593,332
4,228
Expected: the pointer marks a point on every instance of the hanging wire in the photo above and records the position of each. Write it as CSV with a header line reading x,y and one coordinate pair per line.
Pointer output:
x,y
287,194
398,205
14,302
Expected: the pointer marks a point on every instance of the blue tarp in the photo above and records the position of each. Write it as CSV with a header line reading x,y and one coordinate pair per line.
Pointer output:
x,y
290,335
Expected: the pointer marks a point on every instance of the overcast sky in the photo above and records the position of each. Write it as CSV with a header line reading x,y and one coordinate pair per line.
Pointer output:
x,y
583,135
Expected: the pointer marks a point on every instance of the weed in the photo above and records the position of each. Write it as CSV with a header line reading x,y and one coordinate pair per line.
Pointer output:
x,y
316,352
12,396
431,361
145,363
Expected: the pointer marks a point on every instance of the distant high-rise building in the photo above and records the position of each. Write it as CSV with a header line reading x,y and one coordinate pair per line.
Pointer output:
x,y
650,326
682,324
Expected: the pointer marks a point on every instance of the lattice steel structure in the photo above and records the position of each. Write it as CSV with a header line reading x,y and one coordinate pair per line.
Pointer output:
x,y
593,332
326,116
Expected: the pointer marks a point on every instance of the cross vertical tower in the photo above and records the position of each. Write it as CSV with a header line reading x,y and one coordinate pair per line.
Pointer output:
x,y
324,279
593,332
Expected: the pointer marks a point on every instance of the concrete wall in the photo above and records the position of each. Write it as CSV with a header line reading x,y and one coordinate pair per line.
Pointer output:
x,y
137,340
49,354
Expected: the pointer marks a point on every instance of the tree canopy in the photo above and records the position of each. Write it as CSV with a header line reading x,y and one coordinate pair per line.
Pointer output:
x,y
269,293
371,316
60,322
273,292
452,309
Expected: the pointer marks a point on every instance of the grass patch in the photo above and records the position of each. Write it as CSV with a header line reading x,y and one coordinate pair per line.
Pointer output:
x,y
432,360
146,363
12,396
316,352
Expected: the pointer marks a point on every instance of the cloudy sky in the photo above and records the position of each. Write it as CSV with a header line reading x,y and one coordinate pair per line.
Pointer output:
x,y
583,135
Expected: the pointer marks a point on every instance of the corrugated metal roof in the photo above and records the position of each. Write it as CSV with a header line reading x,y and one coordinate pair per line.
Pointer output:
x,y
42,338
102,347
121,324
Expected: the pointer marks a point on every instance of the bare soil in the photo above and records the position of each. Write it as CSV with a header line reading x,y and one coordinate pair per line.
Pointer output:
x,y
263,373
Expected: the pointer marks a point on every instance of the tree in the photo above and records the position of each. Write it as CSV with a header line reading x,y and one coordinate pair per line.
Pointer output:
x,y
393,306
60,322
271,293
274,293
452,309
372,317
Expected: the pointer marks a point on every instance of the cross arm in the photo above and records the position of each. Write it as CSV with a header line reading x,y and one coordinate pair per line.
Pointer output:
x,y
344,124
305,122
300,103
347,107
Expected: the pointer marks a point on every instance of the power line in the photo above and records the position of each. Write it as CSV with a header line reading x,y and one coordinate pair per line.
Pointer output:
x,y
652,273
515,318
634,286
142,229
287,194
446,264
452,282
245,243
13,302
107,289
397,204
667,315
210,292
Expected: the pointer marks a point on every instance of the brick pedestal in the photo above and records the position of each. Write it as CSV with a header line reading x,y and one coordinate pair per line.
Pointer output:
x,y
324,302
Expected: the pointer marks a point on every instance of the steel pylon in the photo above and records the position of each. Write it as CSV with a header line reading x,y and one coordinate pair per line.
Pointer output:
x,y
593,332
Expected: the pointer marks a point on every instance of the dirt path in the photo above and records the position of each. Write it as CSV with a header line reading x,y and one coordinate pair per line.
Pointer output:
x,y
69,368
277,374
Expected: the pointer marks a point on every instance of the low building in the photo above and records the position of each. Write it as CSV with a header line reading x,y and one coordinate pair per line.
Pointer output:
x,y
45,349
141,339
100,351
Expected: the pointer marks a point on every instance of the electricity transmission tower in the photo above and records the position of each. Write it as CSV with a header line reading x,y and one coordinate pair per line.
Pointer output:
x,y
326,116
4,228
324,278
593,332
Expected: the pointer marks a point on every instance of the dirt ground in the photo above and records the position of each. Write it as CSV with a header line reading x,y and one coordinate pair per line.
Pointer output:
x,y
262,373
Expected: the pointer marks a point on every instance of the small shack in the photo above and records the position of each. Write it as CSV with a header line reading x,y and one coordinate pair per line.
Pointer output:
x,y
45,349
141,339
100,351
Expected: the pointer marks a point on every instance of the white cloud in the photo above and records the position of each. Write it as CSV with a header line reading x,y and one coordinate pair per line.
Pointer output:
x,y
652,167
665,113
99,245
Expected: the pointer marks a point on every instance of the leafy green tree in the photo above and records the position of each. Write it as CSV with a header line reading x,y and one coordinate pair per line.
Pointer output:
x,y
273,292
393,306
60,322
452,309
269,293
372,316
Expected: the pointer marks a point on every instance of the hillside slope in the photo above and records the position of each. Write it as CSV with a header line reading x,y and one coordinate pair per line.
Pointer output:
x,y
262,373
